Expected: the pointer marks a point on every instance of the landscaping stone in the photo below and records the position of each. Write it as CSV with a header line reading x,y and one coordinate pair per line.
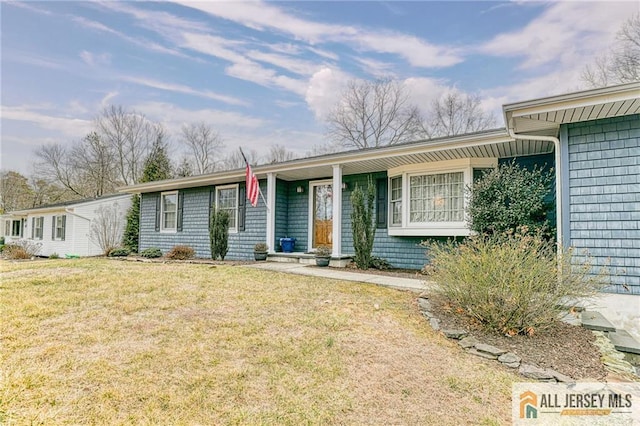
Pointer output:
x,y
435,323
455,334
561,377
509,358
424,304
427,314
512,364
624,342
468,342
611,358
486,355
532,372
492,350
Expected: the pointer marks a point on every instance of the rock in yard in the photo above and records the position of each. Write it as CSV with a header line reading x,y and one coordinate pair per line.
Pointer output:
x,y
509,358
536,373
490,349
468,342
424,304
486,355
455,334
512,364
427,314
561,377
435,323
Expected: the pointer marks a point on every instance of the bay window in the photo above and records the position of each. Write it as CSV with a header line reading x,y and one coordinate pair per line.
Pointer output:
x,y
434,197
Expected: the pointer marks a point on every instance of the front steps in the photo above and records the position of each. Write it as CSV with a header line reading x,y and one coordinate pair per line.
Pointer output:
x,y
307,259
621,339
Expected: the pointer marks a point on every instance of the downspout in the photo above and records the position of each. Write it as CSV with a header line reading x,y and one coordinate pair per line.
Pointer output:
x,y
558,160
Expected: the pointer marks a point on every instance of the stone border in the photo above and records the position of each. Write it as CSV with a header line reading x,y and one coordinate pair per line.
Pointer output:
x,y
477,348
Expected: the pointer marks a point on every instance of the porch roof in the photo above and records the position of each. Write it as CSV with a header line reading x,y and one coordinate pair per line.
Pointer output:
x,y
545,115
493,143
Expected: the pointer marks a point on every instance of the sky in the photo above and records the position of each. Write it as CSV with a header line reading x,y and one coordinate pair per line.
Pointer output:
x,y
266,73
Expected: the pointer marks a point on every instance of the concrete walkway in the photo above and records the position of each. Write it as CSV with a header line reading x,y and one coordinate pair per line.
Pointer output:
x,y
338,274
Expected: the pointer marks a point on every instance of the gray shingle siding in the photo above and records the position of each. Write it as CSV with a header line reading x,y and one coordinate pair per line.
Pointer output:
x,y
604,191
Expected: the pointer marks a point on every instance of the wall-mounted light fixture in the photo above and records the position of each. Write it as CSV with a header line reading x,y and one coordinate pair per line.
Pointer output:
x,y
299,189
344,185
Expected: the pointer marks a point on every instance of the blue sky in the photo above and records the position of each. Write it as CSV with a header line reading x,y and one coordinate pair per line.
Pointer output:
x,y
264,73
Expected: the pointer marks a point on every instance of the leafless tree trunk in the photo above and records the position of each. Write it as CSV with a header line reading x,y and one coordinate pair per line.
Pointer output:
x,y
234,159
94,159
204,144
622,65
457,113
55,166
278,154
374,113
129,134
106,228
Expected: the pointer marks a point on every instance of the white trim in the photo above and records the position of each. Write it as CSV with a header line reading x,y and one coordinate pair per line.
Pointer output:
x,y
271,212
236,186
408,228
336,220
174,229
63,227
310,220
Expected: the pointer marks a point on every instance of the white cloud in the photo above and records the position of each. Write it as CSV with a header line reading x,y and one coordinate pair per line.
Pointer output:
x,y
75,127
288,63
567,33
261,16
324,89
106,100
423,91
375,68
38,61
93,59
179,88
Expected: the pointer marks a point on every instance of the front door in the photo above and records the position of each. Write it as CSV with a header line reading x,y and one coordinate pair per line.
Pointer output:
x,y
321,214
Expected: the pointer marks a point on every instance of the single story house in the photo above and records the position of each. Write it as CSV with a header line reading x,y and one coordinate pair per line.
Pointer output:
x,y
64,228
590,138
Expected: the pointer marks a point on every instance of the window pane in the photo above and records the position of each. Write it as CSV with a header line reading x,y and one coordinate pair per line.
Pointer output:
x,y
227,201
169,220
170,203
437,198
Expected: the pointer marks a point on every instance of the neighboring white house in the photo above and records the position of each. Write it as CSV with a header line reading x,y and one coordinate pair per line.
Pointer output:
x,y
64,228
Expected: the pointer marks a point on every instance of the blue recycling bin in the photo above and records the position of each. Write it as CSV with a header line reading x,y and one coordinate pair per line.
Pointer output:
x,y
287,244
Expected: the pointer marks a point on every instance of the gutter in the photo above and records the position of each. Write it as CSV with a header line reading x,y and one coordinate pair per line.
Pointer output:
x,y
556,143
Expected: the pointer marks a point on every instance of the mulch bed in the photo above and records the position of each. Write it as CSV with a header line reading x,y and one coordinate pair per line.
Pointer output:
x,y
565,348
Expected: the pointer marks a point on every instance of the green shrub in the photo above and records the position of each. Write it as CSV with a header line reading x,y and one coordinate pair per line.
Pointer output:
x,y
181,253
362,224
379,263
151,252
219,233
509,197
509,283
119,252
15,252
54,255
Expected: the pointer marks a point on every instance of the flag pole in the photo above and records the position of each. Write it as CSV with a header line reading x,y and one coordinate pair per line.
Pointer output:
x,y
259,190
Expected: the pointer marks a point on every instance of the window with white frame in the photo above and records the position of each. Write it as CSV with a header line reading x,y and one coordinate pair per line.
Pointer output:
x,y
227,200
429,199
169,211
38,227
395,201
59,227
16,228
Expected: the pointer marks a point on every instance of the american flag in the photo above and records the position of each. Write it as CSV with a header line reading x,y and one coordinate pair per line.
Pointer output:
x,y
253,188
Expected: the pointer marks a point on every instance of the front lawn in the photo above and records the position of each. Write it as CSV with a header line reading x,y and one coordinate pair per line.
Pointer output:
x,y
97,341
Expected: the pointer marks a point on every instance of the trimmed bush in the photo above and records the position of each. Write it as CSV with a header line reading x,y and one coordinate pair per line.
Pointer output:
x,y
509,197
379,263
181,253
119,252
151,252
509,283
54,255
362,224
219,233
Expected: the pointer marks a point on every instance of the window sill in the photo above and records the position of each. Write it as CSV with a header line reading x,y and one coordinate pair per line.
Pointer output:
x,y
456,231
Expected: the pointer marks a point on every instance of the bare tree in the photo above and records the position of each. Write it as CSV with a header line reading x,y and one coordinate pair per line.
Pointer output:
x,y
94,161
622,65
54,165
234,159
324,149
278,154
106,228
129,134
372,114
184,168
15,192
457,113
205,146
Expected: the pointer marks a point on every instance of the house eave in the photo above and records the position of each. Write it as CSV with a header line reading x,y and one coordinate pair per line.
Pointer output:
x,y
497,143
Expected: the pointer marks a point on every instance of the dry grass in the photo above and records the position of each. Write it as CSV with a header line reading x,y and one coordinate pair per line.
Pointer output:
x,y
107,342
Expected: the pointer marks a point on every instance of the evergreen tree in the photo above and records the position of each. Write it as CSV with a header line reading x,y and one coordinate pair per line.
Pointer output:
x,y
157,166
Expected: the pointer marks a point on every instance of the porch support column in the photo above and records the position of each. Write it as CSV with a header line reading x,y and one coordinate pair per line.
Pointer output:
x,y
271,212
337,210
